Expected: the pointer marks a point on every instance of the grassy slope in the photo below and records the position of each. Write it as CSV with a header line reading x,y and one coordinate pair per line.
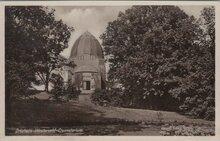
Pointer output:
x,y
47,113
94,120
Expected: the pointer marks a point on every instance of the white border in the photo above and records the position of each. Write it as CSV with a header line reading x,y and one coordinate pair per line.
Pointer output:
x,y
107,138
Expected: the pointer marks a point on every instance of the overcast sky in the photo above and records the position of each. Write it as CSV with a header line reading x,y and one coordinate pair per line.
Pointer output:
x,y
95,19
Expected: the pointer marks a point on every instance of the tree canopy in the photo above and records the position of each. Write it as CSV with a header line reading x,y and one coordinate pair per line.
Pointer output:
x,y
157,53
34,40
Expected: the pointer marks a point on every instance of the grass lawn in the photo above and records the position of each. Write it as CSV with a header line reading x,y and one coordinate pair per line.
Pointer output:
x,y
92,119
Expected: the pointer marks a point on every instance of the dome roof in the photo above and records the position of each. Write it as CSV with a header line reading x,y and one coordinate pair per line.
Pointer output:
x,y
86,44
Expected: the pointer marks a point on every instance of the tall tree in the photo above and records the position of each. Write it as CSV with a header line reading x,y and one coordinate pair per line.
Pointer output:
x,y
45,37
163,58
33,41
148,49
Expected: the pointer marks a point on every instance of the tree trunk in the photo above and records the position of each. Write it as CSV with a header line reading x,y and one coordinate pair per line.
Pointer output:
x,y
46,87
47,82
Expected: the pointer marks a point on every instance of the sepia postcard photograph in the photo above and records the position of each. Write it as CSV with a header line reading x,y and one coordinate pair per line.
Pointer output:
x,y
117,69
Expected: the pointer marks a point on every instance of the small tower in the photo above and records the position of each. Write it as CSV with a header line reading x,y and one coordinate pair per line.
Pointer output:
x,y
89,73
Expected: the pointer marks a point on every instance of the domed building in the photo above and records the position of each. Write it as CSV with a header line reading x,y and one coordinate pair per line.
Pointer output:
x,y
89,73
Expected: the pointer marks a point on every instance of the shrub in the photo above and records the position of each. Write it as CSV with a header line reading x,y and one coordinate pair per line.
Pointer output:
x,y
210,113
68,90
199,107
115,97
182,130
58,86
71,92
99,96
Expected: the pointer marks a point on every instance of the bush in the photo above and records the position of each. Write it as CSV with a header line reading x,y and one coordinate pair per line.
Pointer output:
x,y
99,96
71,92
115,97
199,107
182,130
210,113
19,89
60,89
58,86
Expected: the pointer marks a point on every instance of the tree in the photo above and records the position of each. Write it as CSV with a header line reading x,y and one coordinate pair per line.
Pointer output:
x,y
148,48
163,58
198,88
33,41
46,37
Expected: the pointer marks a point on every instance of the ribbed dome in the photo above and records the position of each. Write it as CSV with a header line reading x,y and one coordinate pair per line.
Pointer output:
x,y
86,44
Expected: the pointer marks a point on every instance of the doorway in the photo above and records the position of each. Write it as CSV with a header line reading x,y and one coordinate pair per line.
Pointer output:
x,y
87,85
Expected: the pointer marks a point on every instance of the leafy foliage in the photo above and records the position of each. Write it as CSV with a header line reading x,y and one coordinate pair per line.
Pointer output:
x,y
197,88
113,97
33,41
34,37
182,130
19,57
116,97
162,57
71,91
58,86
60,89
99,96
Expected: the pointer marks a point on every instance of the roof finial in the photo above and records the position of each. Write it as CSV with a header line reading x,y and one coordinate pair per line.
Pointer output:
x,y
87,32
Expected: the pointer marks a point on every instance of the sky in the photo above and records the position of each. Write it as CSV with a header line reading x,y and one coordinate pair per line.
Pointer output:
x,y
95,19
